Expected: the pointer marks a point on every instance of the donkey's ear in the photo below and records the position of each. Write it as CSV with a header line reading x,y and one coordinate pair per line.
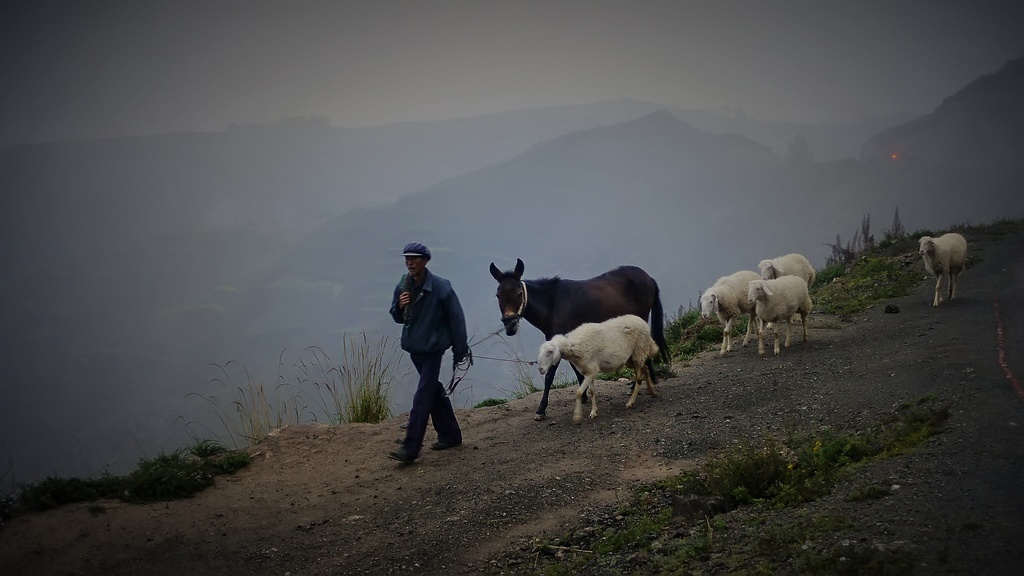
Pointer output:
x,y
519,268
495,272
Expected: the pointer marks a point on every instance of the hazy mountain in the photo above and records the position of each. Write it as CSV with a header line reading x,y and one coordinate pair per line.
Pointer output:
x,y
983,123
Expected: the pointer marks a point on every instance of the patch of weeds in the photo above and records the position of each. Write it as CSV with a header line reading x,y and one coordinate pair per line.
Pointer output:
x,y
623,372
997,229
829,273
181,474
867,281
747,474
689,334
491,402
560,383
853,559
207,448
637,533
746,484
869,492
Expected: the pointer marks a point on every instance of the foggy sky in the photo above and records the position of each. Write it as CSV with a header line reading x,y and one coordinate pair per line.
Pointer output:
x,y
90,69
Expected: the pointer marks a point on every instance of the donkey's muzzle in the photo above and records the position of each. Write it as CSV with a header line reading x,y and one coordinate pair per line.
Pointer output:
x,y
511,325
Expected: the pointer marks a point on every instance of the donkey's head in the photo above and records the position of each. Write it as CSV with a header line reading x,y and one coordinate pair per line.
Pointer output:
x,y
511,295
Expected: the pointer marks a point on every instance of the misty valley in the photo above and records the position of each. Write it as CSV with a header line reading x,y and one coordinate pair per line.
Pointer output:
x,y
143,273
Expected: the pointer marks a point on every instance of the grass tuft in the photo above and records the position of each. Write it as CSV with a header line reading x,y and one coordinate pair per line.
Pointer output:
x,y
181,474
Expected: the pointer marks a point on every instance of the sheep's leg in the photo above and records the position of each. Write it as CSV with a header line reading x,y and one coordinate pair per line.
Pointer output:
x,y
952,286
776,332
726,338
593,402
803,322
760,337
577,415
750,328
789,325
938,291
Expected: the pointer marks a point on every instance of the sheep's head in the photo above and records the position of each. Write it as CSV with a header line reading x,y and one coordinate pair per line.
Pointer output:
x,y
926,245
708,304
768,270
757,289
548,356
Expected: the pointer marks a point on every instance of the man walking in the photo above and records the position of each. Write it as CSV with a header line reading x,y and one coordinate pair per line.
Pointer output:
x,y
432,321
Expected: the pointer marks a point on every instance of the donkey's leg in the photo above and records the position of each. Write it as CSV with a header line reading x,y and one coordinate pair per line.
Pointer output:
x,y
650,382
579,378
637,375
548,379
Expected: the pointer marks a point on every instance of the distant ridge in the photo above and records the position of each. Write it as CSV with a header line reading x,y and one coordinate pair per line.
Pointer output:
x,y
983,122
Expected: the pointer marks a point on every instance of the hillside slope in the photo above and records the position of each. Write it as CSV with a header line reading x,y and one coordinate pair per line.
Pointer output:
x,y
326,500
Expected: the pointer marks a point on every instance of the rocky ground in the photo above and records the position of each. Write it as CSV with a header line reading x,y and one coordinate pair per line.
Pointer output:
x,y
327,500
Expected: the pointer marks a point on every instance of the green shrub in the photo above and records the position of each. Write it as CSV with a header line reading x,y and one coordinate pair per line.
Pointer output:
x,y
174,476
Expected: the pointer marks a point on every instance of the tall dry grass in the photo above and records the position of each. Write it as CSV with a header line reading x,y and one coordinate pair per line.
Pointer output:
x,y
358,389
355,389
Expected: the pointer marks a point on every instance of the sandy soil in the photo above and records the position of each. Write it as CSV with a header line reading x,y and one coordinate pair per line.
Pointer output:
x,y
327,500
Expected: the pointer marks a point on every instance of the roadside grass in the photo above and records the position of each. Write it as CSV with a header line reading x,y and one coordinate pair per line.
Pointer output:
x,y
688,333
355,390
741,510
845,290
359,388
180,474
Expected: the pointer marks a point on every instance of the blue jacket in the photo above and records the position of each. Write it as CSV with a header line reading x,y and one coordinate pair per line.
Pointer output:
x,y
436,323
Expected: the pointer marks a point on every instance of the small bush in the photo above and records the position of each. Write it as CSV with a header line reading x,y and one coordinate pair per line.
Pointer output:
x,y
181,474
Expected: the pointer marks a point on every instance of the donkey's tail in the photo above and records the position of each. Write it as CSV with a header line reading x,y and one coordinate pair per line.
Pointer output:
x,y
658,325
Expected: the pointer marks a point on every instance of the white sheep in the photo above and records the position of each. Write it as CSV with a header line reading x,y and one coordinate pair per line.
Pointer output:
x,y
603,347
947,255
727,297
788,265
777,301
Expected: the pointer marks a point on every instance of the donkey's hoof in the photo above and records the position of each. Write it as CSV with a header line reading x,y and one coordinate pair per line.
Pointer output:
x,y
538,417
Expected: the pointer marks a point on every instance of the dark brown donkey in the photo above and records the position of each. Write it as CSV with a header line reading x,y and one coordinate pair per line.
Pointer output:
x,y
556,306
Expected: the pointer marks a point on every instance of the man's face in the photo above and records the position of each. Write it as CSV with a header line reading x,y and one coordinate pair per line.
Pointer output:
x,y
415,265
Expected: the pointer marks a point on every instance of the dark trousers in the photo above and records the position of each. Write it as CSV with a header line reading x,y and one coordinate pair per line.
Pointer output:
x,y
430,401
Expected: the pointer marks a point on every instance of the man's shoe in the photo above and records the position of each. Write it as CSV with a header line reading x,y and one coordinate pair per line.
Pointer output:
x,y
402,456
444,445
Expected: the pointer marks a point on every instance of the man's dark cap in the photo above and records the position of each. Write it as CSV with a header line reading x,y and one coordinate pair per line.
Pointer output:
x,y
417,250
